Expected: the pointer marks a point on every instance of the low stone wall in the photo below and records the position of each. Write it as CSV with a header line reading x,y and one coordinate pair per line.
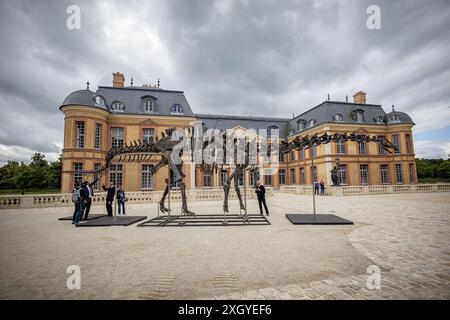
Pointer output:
x,y
366,190
65,199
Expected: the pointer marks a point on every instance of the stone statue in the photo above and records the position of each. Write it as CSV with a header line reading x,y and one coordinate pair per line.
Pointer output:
x,y
334,176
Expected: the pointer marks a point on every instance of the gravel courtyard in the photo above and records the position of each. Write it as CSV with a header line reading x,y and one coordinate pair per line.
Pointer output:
x,y
406,236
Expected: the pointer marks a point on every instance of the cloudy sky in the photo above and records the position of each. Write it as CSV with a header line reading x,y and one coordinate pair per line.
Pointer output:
x,y
242,57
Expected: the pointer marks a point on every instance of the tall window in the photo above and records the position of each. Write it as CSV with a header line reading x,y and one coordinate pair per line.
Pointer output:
x,y
223,177
80,134
292,177
313,152
241,179
149,105
146,177
302,154
292,155
381,149
302,176
97,138
412,176
359,116
364,174
97,184
280,157
340,147
396,142
117,137
408,144
268,180
148,135
206,179
282,176
272,130
342,174
398,173
384,174
77,175
315,173
252,179
362,148
116,175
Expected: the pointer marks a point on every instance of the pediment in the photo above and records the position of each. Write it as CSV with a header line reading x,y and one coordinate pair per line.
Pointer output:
x,y
148,122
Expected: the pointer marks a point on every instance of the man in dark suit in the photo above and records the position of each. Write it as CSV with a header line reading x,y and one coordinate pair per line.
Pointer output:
x,y
110,198
261,193
87,193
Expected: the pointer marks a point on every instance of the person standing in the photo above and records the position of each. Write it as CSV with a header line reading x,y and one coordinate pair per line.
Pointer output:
x,y
316,187
110,198
121,199
261,193
322,188
76,199
87,192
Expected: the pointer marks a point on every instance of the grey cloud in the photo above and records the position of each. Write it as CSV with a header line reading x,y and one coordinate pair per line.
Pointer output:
x,y
270,58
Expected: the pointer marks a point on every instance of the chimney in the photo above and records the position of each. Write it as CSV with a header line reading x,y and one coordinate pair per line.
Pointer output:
x,y
359,97
118,80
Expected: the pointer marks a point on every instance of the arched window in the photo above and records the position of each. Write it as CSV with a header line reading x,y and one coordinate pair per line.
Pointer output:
x,y
118,106
312,123
379,120
148,104
301,124
394,118
272,129
338,117
358,115
99,100
177,109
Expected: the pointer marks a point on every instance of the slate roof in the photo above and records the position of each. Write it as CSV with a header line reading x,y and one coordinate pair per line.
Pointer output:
x,y
223,122
325,112
132,98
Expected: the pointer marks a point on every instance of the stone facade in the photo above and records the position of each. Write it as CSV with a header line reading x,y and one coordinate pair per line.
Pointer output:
x,y
94,121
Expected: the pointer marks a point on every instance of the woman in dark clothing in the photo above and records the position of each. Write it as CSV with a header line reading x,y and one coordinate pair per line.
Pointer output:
x,y
261,193
121,199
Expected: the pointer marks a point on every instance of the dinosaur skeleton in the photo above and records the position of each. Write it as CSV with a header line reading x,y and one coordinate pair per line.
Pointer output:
x,y
316,140
140,151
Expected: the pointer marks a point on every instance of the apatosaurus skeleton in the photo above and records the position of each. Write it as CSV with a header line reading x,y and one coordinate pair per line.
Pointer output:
x,y
140,151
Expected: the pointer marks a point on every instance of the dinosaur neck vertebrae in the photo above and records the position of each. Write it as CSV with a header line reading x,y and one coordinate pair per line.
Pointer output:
x,y
166,147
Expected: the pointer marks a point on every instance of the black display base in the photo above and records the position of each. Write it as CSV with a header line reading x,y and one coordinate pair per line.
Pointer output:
x,y
206,220
107,221
90,217
318,219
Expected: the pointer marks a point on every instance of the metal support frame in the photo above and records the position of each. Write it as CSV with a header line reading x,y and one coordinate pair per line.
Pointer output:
x,y
313,181
205,220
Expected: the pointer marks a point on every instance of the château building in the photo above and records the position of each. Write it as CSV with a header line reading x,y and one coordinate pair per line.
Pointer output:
x,y
113,115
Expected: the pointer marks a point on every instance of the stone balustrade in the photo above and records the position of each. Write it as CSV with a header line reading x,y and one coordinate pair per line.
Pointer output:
x,y
65,199
366,190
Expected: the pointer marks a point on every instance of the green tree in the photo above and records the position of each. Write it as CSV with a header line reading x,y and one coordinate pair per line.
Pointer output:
x,y
424,168
7,174
38,171
53,175
443,170
23,177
